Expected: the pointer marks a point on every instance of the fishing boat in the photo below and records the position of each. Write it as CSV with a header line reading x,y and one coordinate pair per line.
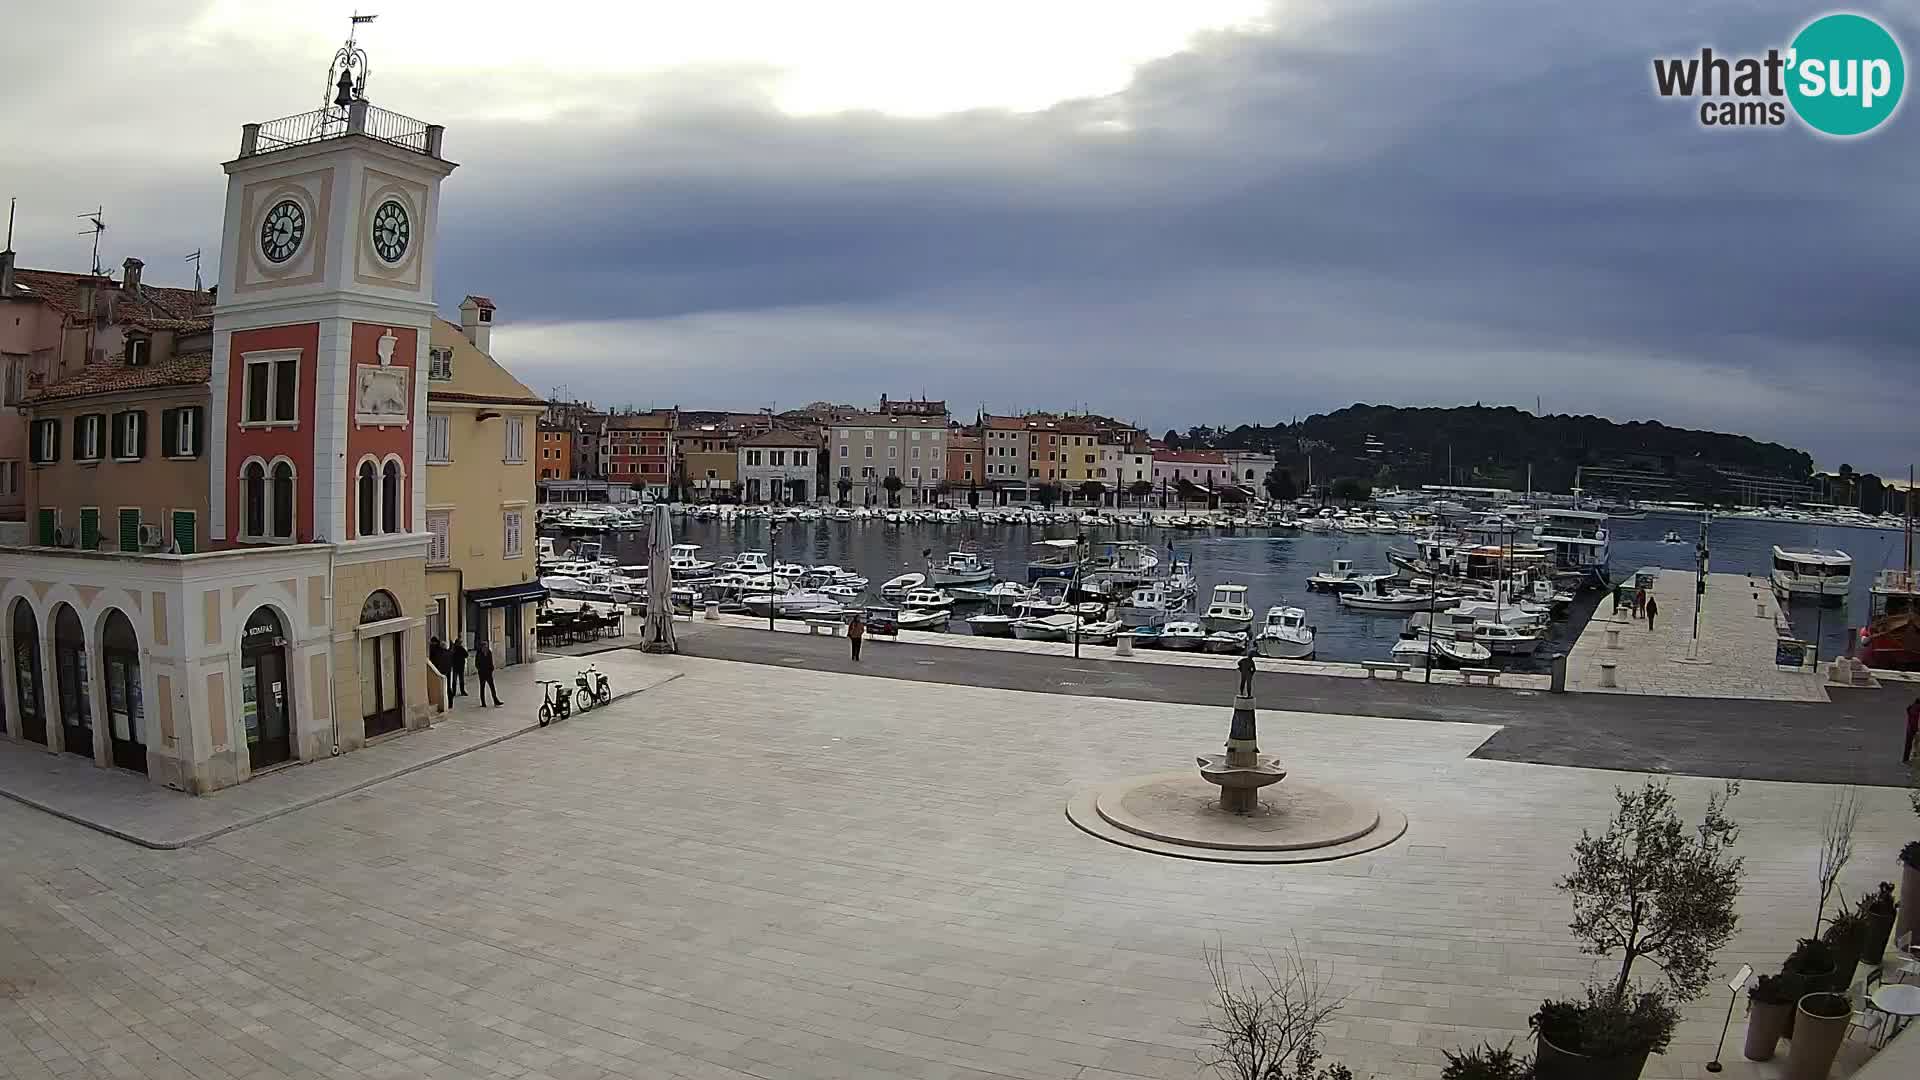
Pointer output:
x,y
1821,574
1342,578
790,605
746,562
898,588
1184,634
1285,635
1057,627
916,619
1498,637
992,624
1152,603
1580,543
1228,610
1226,641
1445,652
1672,537
961,568
1000,594
1372,597
1053,558
1891,638
684,562
927,600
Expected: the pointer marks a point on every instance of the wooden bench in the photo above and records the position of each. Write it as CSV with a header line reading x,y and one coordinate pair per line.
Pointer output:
x,y
1375,667
831,626
1468,674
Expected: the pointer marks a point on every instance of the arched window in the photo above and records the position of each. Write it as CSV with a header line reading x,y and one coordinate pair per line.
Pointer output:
x,y
282,499
380,607
390,498
368,497
253,497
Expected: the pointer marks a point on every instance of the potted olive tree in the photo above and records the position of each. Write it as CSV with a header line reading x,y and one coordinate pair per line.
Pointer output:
x,y
1647,887
1879,908
1846,934
1770,1003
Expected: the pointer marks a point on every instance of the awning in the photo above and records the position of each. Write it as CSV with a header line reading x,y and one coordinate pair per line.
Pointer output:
x,y
524,592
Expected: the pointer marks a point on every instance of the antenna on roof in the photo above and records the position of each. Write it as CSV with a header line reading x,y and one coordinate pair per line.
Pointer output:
x,y
195,260
11,203
98,219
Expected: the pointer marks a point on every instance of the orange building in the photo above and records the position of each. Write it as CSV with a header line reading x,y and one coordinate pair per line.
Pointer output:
x,y
556,453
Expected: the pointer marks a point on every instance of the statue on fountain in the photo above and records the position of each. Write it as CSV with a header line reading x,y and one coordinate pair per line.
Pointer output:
x,y
1243,770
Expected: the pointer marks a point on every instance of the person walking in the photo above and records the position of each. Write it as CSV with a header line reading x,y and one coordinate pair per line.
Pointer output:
x,y
856,630
1639,601
483,666
437,658
1913,728
457,667
1616,600
1653,608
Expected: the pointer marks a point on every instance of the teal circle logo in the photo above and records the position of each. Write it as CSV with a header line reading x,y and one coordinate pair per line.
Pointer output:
x,y
1846,74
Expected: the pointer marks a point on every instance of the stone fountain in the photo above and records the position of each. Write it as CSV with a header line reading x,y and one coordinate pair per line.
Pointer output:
x,y
1221,815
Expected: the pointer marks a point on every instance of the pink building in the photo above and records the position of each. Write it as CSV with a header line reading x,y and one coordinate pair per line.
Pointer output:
x,y
54,325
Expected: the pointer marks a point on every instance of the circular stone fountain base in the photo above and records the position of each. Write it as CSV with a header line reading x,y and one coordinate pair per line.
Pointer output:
x,y
1178,813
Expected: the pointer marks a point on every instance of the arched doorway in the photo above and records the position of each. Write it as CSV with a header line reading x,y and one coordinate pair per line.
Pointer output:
x,y
26,673
382,690
126,715
264,709
70,670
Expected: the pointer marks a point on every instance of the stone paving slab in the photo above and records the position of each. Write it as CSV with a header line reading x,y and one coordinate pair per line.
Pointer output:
x,y
1736,646
125,805
760,872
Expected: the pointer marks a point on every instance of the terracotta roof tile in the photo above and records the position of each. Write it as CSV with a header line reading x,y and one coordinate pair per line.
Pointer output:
x,y
151,307
112,378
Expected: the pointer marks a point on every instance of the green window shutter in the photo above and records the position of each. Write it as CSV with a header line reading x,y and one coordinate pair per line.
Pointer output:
x,y
89,528
130,529
183,535
49,523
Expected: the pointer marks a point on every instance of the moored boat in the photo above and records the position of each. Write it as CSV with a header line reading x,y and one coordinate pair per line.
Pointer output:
x,y
1228,610
1285,635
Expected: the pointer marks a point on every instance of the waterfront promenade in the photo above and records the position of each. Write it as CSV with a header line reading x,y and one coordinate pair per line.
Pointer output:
x,y
758,871
1732,658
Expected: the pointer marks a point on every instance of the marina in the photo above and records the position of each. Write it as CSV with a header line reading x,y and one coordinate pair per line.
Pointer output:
x,y
1277,565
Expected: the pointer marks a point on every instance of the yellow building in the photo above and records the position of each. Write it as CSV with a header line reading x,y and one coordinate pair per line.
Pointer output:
x,y
482,433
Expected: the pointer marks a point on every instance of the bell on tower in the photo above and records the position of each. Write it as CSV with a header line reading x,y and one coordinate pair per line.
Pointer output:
x,y
350,62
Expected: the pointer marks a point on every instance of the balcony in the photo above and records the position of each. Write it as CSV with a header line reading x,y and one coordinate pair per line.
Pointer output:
x,y
360,118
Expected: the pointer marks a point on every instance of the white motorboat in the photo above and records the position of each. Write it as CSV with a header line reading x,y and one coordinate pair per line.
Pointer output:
x,y
684,562
1579,540
928,600
1057,627
1228,609
1285,635
1822,574
1151,603
746,562
1446,653
992,624
917,619
1372,597
846,594
787,605
1000,594
1503,638
898,588
1053,558
1100,633
1226,641
1342,578
961,568
1468,612
1672,537
1184,634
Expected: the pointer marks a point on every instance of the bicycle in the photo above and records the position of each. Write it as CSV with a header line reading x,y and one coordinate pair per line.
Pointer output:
x,y
592,688
555,704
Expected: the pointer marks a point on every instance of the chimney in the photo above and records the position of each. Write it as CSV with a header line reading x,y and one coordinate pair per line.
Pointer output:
x,y
6,272
476,320
130,276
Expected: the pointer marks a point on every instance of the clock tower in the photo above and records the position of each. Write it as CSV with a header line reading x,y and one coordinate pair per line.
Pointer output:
x,y
316,420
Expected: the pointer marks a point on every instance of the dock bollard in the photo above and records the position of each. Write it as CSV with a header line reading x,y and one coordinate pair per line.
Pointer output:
x,y
1557,682
1607,677
1613,637
1123,645
713,611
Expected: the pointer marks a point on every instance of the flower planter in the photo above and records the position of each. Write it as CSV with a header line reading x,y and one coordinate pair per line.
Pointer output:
x,y
1909,901
1766,1024
1553,1063
1873,944
1820,1026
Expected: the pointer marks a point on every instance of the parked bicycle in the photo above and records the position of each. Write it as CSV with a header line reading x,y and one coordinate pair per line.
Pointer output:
x,y
592,688
556,703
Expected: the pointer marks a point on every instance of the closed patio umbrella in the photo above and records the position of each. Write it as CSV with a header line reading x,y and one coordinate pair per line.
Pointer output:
x,y
658,635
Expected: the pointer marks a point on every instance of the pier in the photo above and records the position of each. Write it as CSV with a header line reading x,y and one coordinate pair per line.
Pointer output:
x,y
1740,623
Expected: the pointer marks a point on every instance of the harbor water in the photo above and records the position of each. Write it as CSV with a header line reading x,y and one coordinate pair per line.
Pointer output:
x,y
1275,568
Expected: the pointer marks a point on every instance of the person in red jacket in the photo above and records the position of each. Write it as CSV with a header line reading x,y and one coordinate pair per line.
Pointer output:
x,y
1913,728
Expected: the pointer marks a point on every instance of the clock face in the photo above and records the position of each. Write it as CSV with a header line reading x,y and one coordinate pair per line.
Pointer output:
x,y
391,231
280,234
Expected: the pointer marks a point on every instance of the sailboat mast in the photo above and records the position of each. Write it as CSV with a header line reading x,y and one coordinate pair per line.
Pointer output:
x,y
1909,502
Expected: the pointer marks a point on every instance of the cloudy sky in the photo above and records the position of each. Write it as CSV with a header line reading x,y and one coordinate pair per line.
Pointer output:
x,y
1210,211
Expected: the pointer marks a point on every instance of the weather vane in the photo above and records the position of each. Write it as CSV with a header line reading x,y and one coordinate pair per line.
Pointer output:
x,y
347,75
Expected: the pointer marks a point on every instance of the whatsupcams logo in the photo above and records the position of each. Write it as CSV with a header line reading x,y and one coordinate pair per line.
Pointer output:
x,y
1842,75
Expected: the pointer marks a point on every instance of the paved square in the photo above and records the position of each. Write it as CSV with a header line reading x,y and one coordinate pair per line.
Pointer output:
x,y
752,871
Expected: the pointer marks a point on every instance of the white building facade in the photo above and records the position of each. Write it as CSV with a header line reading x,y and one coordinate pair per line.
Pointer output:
x,y
778,467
